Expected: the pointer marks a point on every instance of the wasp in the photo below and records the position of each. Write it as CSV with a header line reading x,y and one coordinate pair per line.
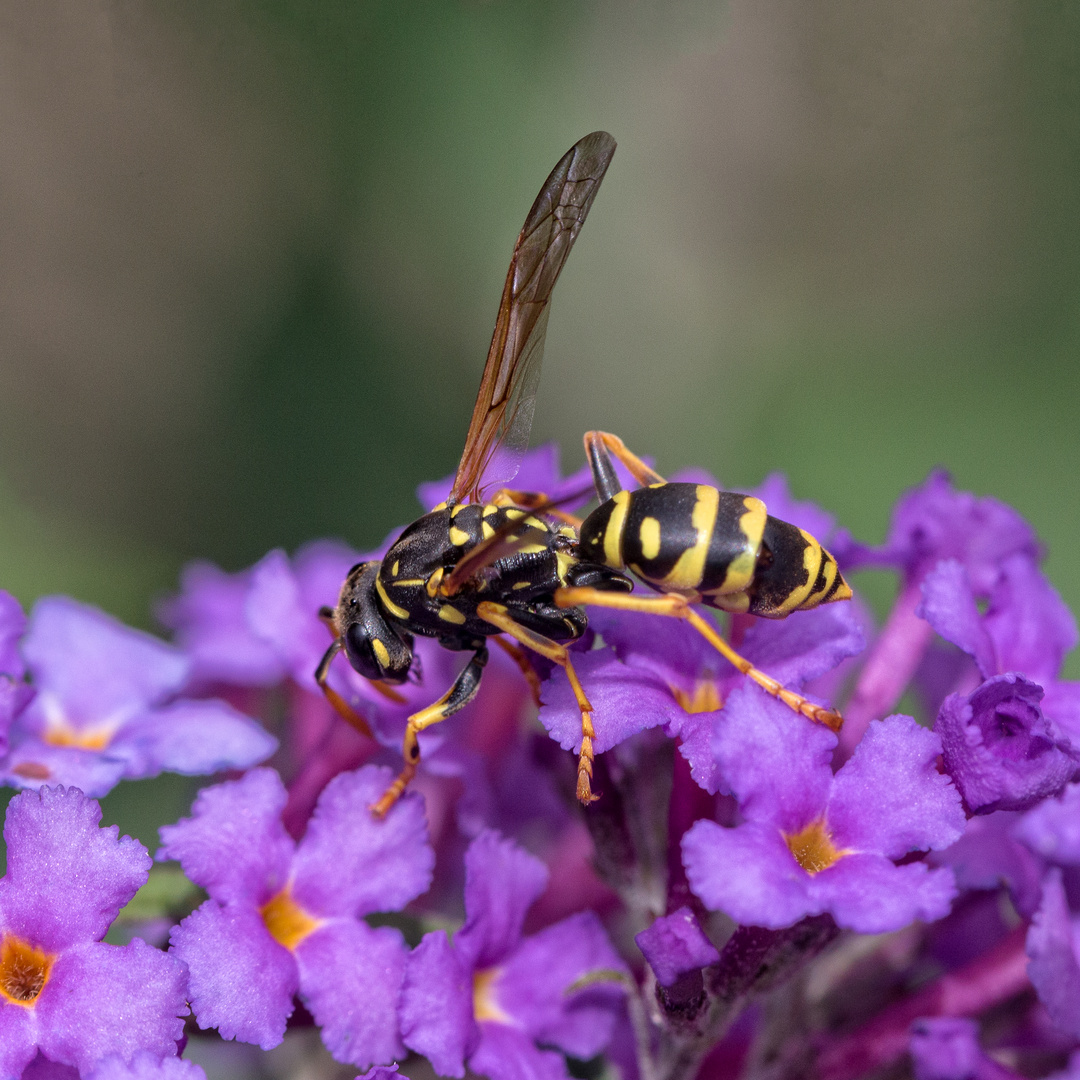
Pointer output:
x,y
492,563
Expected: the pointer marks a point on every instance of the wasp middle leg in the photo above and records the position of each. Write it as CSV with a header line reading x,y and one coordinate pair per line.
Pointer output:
x,y
457,697
499,615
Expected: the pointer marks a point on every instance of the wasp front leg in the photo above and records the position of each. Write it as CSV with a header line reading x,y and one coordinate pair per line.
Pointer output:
x,y
457,697
499,615
679,607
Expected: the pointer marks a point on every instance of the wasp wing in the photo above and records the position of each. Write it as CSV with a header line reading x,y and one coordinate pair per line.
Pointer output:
x,y
503,413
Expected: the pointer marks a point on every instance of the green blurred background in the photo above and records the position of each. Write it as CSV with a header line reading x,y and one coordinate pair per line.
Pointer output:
x,y
252,251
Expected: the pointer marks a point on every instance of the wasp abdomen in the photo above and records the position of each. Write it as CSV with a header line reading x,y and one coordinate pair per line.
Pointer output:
x,y
715,547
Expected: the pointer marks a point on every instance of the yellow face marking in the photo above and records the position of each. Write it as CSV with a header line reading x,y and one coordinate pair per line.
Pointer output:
x,y
396,610
379,649
451,615
649,537
686,574
458,537
811,564
613,532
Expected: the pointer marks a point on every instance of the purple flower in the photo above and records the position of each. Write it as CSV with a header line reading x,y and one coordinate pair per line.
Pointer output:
x,y
106,708
947,1048
656,671
491,996
1052,829
1053,948
812,842
934,522
1000,750
674,945
14,693
286,918
146,1067
63,990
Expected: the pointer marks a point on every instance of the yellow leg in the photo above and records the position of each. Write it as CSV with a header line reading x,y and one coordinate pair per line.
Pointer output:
x,y
457,697
521,658
341,706
678,607
599,443
500,616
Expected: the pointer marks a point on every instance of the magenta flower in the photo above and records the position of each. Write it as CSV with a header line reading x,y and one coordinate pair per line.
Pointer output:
x,y
63,991
286,918
674,945
106,708
491,996
812,843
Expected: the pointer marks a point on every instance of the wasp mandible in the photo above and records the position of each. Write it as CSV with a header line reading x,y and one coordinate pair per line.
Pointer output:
x,y
483,565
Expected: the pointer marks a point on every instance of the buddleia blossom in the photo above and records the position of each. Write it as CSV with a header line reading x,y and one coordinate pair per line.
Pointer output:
x,y
496,999
286,918
106,706
63,991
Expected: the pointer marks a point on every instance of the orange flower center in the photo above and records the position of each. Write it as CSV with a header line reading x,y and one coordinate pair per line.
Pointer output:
x,y
90,739
703,698
813,847
485,1007
286,920
24,970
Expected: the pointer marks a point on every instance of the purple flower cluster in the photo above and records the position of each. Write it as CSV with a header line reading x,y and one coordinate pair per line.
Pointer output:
x,y
751,896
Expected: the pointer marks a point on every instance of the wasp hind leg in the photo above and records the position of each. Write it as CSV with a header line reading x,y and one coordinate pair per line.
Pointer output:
x,y
457,697
599,446
679,607
499,615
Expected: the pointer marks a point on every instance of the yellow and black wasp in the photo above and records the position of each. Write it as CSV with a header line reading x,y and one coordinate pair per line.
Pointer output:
x,y
478,567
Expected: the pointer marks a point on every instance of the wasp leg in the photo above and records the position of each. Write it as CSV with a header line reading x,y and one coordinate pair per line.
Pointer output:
x,y
500,616
597,446
521,658
341,706
533,500
679,607
457,697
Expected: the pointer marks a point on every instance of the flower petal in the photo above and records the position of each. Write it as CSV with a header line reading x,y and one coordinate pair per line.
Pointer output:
x,y
234,844
18,1039
435,1008
351,863
66,878
92,667
948,605
1052,962
145,1066
770,888
12,626
105,999
1052,829
872,895
350,977
534,986
502,881
507,1054
775,762
674,944
31,763
242,981
192,738
889,796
